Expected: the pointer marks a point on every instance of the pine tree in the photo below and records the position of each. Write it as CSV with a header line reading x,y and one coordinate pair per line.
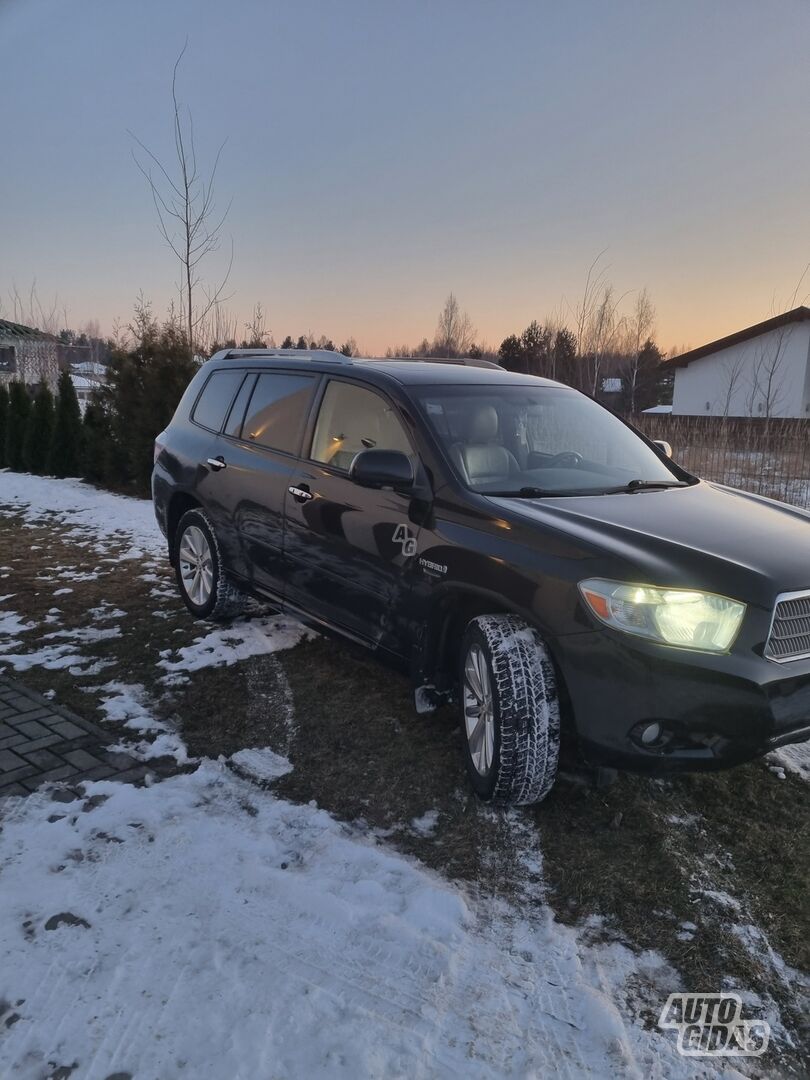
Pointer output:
x,y
96,441
511,354
39,432
3,422
66,446
19,405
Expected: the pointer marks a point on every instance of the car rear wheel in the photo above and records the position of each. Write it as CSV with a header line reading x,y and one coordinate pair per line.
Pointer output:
x,y
510,710
204,587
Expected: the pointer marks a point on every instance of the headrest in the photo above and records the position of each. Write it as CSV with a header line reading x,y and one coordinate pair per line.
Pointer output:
x,y
483,426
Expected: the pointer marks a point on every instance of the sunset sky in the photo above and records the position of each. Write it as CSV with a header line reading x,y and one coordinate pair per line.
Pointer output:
x,y
381,154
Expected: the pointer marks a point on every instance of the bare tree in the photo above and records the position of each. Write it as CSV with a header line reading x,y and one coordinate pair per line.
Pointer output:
x,y
583,314
602,331
183,196
256,330
733,369
455,332
31,311
640,327
767,377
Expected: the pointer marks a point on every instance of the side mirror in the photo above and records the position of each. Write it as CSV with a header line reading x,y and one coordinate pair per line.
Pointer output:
x,y
662,444
382,468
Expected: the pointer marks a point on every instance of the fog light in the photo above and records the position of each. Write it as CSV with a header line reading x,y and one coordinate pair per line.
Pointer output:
x,y
650,734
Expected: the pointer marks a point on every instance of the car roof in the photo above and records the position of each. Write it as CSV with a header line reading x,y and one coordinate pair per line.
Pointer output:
x,y
408,372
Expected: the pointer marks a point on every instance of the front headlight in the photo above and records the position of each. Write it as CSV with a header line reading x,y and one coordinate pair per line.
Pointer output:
x,y
690,620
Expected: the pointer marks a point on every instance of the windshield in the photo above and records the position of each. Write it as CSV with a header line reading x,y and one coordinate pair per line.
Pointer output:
x,y
519,440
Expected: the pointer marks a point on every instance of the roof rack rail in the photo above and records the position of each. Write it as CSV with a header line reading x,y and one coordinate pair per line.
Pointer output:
x,y
323,356
459,361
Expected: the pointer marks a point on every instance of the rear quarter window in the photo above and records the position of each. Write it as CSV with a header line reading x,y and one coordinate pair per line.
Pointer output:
x,y
213,403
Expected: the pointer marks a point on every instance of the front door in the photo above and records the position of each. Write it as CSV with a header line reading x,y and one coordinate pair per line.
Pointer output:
x,y
349,549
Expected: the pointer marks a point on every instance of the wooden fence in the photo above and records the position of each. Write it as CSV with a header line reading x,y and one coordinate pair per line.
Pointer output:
x,y
769,457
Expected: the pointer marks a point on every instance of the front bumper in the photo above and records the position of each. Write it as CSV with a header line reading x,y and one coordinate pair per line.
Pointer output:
x,y
713,711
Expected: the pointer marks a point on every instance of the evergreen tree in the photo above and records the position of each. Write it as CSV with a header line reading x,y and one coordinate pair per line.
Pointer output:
x,y
66,445
19,405
288,343
3,422
39,432
563,358
96,440
144,385
537,342
511,354
301,343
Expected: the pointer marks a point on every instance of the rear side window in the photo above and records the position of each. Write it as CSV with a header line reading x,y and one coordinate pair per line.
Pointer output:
x,y
277,410
214,401
233,425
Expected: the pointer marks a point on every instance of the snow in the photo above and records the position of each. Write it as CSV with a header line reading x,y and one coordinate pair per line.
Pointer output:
x,y
795,757
240,640
82,508
233,934
262,764
426,824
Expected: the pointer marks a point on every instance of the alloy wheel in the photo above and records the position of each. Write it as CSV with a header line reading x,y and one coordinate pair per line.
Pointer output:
x,y
479,712
196,566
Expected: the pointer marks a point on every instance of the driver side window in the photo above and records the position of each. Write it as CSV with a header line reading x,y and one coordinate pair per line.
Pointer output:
x,y
351,419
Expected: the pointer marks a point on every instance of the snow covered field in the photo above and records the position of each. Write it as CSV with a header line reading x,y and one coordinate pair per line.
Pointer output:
x,y
206,927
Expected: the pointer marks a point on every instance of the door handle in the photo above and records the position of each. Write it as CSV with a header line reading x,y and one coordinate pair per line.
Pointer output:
x,y
216,463
300,492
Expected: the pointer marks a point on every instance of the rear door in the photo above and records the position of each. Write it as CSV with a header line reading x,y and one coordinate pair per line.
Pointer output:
x,y
261,443
203,445
349,548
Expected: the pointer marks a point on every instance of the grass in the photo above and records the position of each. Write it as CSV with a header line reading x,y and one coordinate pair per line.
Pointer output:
x,y
644,856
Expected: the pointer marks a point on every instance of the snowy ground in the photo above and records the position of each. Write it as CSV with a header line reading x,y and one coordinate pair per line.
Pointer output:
x,y
206,926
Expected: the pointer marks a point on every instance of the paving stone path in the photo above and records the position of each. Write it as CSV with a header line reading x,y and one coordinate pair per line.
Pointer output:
x,y
41,742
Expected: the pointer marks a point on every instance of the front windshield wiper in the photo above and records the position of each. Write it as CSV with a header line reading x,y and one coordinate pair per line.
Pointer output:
x,y
537,493
648,485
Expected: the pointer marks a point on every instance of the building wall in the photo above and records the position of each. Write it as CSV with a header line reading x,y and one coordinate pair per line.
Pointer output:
x,y
733,381
34,361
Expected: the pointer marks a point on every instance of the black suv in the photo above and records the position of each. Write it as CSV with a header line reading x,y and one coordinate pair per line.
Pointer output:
x,y
507,540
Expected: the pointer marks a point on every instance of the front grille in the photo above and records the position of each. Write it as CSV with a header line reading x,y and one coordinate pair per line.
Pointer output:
x,y
790,630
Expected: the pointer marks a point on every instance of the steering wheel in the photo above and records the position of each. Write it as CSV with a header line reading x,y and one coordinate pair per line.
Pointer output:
x,y
568,458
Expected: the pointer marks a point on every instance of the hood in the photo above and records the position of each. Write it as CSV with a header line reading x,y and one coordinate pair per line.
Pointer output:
x,y
704,536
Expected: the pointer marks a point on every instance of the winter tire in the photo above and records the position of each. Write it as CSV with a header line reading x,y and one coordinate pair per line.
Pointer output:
x,y
204,587
510,710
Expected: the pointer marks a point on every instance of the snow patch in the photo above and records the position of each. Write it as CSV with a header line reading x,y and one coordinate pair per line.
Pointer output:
x,y
252,937
262,764
240,640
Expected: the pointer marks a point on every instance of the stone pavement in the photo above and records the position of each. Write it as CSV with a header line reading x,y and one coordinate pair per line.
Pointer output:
x,y
42,742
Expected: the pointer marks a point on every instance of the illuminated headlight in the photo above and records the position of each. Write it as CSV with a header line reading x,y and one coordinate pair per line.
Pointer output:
x,y
690,620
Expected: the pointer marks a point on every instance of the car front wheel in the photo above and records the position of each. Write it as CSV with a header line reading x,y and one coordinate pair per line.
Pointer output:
x,y
510,710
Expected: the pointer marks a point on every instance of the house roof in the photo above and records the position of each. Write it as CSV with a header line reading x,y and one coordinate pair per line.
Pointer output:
x,y
10,329
798,314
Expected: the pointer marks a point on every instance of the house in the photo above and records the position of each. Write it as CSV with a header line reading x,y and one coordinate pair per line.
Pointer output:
x,y
28,355
761,371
